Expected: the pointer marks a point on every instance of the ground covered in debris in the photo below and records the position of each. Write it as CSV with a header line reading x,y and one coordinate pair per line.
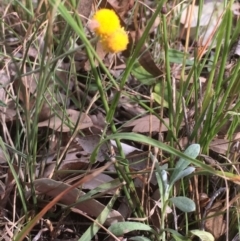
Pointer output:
x,y
119,120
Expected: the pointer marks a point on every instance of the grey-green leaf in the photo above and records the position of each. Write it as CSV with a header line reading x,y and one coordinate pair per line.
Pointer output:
x,y
178,174
177,236
2,104
140,238
162,178
192,151
176,56
203,235
184,204
142,75
121,228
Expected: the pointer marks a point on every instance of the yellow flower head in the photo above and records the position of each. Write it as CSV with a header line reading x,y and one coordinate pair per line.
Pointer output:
x,y
116,42
106,25
106,22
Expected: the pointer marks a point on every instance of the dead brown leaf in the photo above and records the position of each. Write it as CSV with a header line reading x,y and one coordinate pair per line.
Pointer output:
x,y
146,59
27,84
122,6
2,157
131,107
210,19
220,146
73,161
98,120
137,160
96,172
92,207
62,73
144,123
9,185
2,190
215,224
97,181
7,113
84,9
101,54
89,143
65,121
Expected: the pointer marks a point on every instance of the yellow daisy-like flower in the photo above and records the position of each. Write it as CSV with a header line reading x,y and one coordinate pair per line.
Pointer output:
x,y
106,22
116,42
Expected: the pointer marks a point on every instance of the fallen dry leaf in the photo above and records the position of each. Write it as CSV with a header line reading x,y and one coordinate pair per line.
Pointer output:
x,y
7,106
137,160
3,160
122,6
84,9
127,149
143,124
72,161
8,187
216,224
148,63
97,181
210,19
101,54
65,122
131,108
98,120
219,146
92,207
46,111
2,190
27,83
89,143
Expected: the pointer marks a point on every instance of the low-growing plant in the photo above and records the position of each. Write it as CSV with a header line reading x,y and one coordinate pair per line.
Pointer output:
x,y
166,185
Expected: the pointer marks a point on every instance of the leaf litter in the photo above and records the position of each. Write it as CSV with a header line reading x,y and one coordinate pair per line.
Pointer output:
x,y
70,127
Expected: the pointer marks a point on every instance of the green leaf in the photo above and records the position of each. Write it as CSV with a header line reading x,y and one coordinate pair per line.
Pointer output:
x,y
184,204
121,228
160,94
177,57
192,151
180,174
142,75
93,229
102,188
177,236
233,113
162,177
2,104
203,235
140,238
158,98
